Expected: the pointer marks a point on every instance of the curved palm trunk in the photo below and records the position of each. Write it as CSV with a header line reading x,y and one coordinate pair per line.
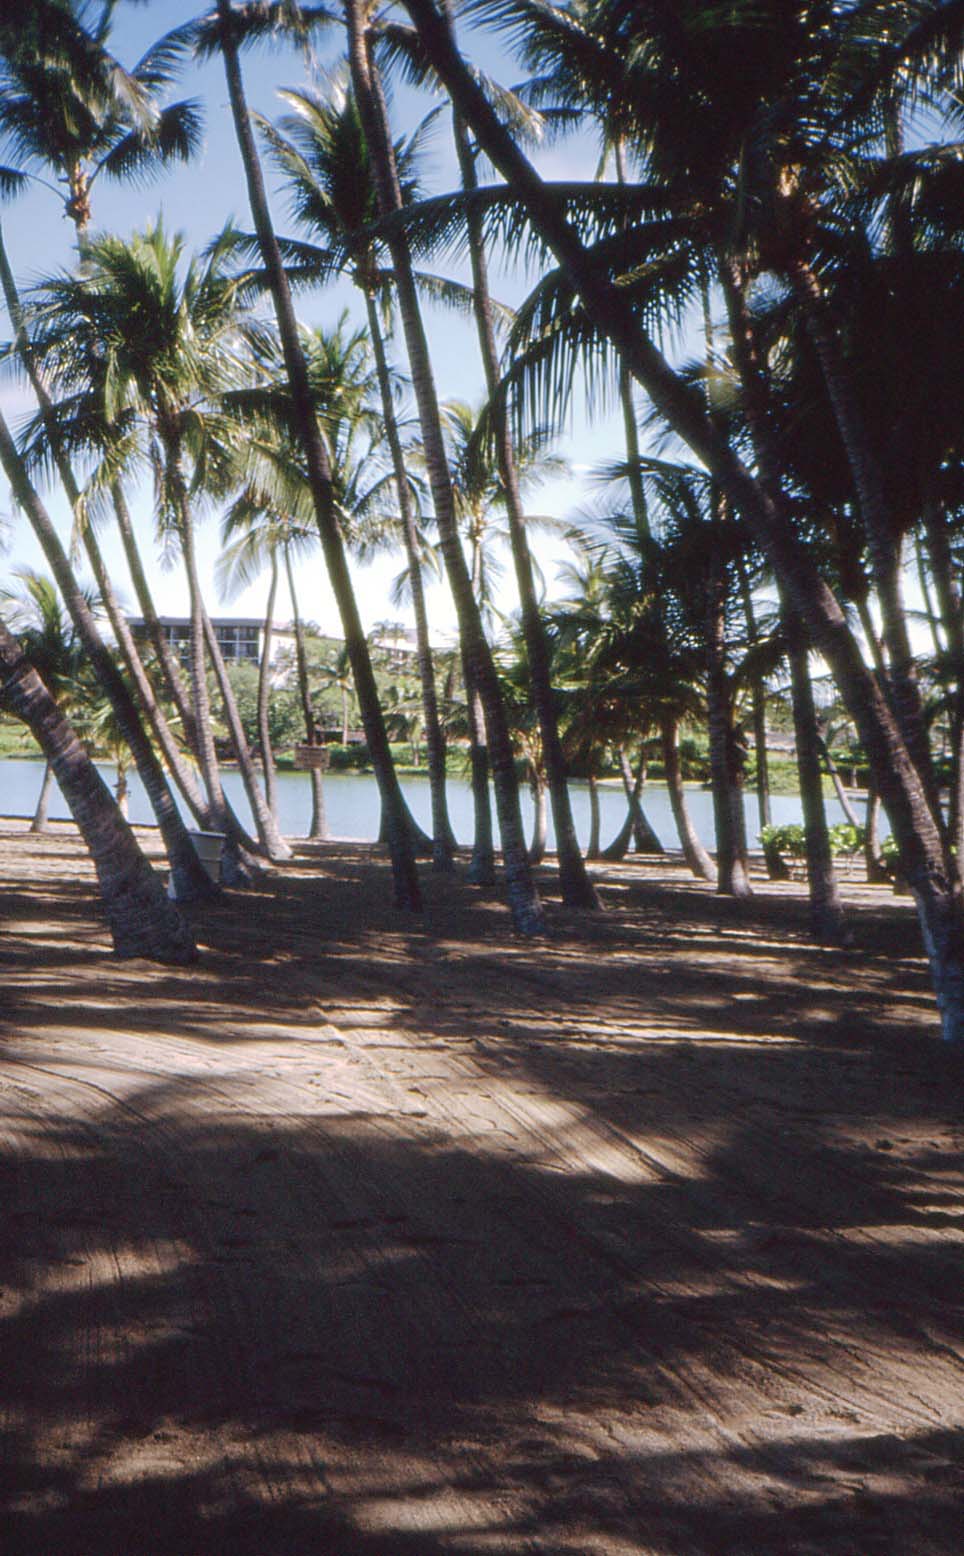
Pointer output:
x,y
319,818
841,793
190,879
876,872
577,889
443,840
269,837
142,921
922,836
480,670
39,822
827,923
407,893
694,853
540,818
644,837
264,694
170,671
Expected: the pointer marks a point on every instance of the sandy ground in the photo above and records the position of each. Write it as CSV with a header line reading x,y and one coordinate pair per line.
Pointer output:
x,y
366,1237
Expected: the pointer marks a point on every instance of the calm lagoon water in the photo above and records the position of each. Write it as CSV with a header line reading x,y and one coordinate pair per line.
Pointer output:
x,y
352,804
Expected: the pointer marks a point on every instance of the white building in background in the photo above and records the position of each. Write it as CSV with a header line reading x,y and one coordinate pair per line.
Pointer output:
x,y
240,638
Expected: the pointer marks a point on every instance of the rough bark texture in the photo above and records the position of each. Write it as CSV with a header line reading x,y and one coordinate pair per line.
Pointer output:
x,y
827,921
694,853
404,873
540,817
927,860
480,669
577,889
143,922
443,840
725,768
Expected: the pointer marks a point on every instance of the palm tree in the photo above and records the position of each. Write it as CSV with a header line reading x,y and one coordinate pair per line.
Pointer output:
x,y
903,782
321,151
225,38
143,922
36,616
479,668
162,386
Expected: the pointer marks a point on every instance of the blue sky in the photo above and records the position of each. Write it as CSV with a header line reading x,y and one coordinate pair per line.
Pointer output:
x,y
198,200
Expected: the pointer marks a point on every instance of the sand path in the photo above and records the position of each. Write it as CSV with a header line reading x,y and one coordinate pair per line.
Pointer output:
x,y
363,1238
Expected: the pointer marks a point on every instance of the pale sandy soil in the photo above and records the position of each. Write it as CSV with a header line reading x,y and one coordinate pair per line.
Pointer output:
x,y
366,1237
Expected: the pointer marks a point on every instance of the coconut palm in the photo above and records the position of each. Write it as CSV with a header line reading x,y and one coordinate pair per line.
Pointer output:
x,y
321,151
35,614
143,922
479,668
225,39
903,783
158,390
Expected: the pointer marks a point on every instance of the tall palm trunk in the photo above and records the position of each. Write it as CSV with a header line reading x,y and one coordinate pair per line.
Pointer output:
x,y
592,849
927,861
39,822
725,768
480,668
537,788
644,837
827,924
319,818
190,878
319,479
694,853
482,863
443,840
266,826
952,618
577,889
264,698
876,871
142,921
759,708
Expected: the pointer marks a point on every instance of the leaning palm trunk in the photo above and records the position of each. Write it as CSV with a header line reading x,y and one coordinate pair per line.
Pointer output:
x,y
264,696
143,922
926,856
577,889
480,670
644,836
319,818
593,849
39,822
443,840
694,853
190,879
827,923
876,870
269,837
319,479
481,870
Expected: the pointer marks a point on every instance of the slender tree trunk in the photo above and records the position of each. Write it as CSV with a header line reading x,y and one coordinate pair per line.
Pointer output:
x,y
593,851
443,840
122,788
481,871
480,669
759,702
407,893
952,619
537,786
827,924
694,853
644,835
319,818
841,793
919,828
576,887
269,837
141,919
39,822
876,872
732,872
264,699
190,879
